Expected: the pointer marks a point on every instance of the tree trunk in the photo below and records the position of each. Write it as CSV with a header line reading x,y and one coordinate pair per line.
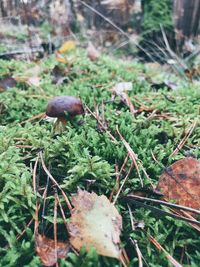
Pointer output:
x,y
186,14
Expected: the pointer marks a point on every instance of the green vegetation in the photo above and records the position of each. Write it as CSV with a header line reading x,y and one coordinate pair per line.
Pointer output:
x,y
156,13
83,152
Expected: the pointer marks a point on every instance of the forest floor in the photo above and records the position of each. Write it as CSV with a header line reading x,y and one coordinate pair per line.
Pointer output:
x,y
136,116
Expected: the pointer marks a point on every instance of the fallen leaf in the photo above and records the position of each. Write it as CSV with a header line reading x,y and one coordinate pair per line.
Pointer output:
x,y
193,72
181,182
6,83
67,46
92,53
45,248
95,222
60,58
120,89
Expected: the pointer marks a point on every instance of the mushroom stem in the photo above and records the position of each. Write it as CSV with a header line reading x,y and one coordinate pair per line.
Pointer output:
x,y
63,120
59,124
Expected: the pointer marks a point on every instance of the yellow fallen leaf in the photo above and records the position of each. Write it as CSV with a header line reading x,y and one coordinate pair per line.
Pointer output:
x,y
67,46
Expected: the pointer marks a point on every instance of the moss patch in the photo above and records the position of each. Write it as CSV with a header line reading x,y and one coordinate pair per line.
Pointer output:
x,y
84,155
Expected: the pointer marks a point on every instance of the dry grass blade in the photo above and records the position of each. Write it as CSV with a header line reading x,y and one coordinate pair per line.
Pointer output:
x,y
38,116
132,155
25,228
35,192
165,213
34,175
123,183
55,230
118,177
101,124
172,54
55,182
187,215
185,138
172,205
167,255
139,254
62,211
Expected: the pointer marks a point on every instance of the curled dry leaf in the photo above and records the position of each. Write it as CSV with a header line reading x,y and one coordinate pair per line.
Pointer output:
x,y
95,222
92,53
181,182
120,90
45,248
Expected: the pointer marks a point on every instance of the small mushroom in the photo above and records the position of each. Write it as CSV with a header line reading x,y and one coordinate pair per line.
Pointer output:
x,y
61,107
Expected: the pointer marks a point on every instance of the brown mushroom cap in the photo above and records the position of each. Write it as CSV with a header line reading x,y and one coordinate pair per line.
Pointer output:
x,y
59,105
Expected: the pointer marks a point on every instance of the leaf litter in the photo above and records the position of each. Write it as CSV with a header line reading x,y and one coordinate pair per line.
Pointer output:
x,y
181,182
120,90
48,252
95,222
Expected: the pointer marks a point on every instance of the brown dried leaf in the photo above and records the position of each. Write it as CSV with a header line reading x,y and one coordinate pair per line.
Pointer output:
x,y
95,222
47,252
181,182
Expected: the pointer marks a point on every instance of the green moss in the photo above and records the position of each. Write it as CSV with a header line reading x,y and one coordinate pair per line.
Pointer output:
x,y
156,13
84,155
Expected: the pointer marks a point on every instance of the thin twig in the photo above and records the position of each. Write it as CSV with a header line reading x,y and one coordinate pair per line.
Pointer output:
x,y
118,177
185,138
123,183
38,116
35,192
101,124
165,213
62,212
55,228
24,230
139,254
132,154
164,203
55,182
160,248
34,176
170,50
44,202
